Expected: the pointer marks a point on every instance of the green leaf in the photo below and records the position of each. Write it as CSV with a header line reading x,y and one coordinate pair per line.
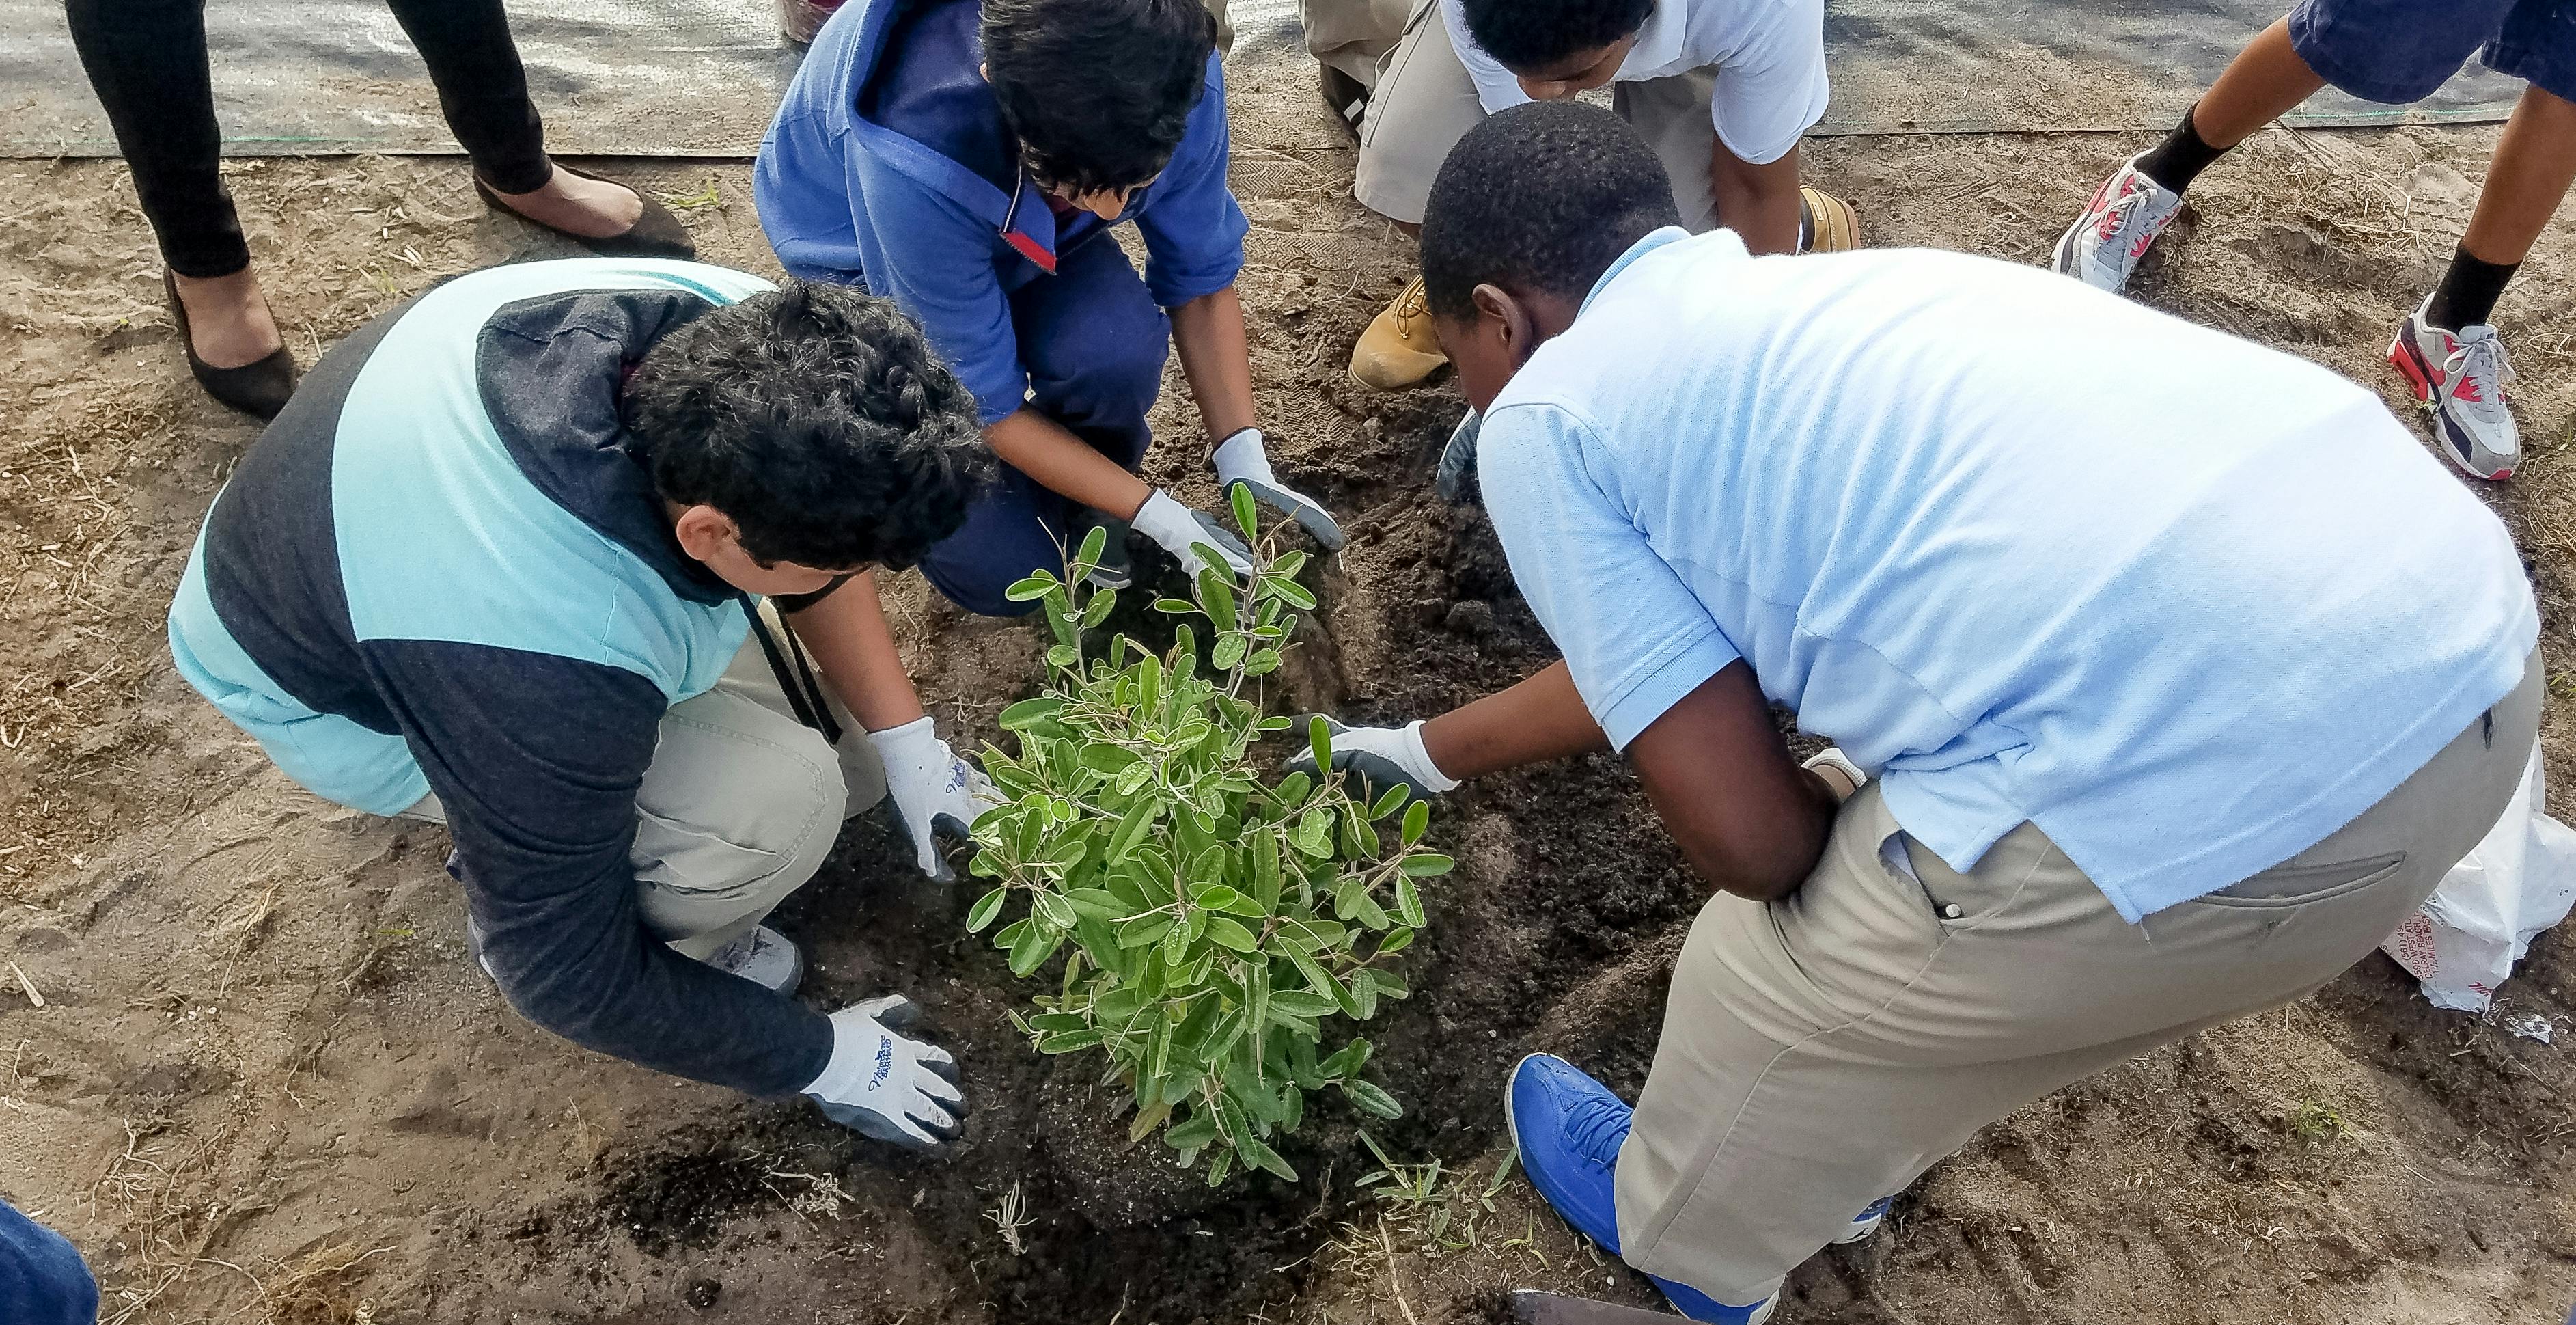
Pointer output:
x,y
1396,940
1424,866
1058,912
1314,834
1035,945
1319,742
1408,902
1144,930
1102,757
1228,653
1265,870
1294,593
1215,598
1131,830
1031,589
1028,712
1362,1001
1371,1099
1302,1003
1241,495
1175,606
1262,663
1288,564
1065,1042
1231,934
1346,1060
1219,1167
1009,935
1261,1156
1392,985
1390,802
1197,1132
1293,789
985,909
1417,820
1098,609
1061,655
1093,544
1215,896
1150,1114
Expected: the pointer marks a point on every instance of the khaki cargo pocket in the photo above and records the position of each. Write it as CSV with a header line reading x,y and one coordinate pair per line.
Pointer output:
x,y
2300,885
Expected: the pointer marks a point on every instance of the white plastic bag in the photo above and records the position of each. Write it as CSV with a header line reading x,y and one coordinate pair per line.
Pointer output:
x,y
2520,880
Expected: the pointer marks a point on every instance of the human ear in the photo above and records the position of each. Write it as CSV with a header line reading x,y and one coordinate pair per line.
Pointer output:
x,y
1512,324
705,533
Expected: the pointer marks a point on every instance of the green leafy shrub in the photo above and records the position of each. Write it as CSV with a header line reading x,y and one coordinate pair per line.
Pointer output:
x,y
1215,920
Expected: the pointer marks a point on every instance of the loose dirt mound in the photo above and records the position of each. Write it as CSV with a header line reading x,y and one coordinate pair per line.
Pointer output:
x,y
266,1085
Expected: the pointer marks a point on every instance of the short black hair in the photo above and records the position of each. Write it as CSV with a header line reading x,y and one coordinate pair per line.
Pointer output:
x,y
1098,92
1543,196
818,420
1539,34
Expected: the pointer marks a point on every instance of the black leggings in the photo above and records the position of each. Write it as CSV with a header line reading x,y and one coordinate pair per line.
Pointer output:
x,y
147,62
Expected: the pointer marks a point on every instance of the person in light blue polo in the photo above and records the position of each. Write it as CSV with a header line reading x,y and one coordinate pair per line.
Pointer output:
x,y
969,160
2168,674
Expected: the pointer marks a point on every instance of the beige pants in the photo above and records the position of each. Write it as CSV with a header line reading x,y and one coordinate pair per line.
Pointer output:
x,y
1822,1051
739,808
1422,102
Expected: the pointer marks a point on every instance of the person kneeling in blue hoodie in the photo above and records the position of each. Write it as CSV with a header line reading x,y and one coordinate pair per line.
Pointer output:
x,y
967,158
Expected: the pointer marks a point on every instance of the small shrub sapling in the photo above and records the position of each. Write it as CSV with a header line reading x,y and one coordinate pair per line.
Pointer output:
x,y
1216,922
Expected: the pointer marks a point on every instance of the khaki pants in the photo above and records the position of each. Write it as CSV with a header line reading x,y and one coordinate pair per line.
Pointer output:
x,y
1822,1051
1422,102
740,806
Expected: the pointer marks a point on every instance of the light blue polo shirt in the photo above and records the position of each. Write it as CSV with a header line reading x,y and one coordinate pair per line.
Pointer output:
x,y
2024,550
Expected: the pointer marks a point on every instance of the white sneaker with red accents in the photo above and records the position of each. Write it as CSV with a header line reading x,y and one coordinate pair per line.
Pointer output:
x,y
2459,376
2124,218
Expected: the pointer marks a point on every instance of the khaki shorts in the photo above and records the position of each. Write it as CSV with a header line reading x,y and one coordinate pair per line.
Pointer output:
x,y
740,806
1822,1051
1422,102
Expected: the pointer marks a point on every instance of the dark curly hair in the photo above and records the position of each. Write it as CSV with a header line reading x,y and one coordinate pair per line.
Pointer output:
x,y
816,418
1098,92
1525,35
1543,196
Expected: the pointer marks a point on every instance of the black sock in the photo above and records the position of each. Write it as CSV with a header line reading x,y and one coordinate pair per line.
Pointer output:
x,y
2467,294
2180,158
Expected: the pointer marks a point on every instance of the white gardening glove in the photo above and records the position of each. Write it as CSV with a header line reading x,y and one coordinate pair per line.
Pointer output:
x,y
1241,459
889,1086
1383,757
933,789
1174,526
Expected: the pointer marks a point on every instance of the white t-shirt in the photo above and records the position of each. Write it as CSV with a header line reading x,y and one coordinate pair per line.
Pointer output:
x,y
1769,56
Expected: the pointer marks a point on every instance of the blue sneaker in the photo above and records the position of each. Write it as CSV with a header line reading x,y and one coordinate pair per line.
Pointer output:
x,y
1866,1222
1568,1129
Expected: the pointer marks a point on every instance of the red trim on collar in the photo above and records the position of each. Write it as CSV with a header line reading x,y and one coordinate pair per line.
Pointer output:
x,y
1028,248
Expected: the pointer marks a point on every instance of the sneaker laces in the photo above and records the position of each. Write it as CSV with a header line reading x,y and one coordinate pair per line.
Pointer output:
x,y
2478,363
2127,217
1596,1126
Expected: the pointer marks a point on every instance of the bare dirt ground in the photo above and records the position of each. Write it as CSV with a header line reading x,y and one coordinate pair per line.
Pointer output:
x,y
264,1084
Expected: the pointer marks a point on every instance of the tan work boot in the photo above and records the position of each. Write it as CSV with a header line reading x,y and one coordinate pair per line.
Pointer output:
x,y
1826,224
1398,349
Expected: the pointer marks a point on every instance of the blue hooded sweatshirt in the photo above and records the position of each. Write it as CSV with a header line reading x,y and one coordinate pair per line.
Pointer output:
x,y
889,165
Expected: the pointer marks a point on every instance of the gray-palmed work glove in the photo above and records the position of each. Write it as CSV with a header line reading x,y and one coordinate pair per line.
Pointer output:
x,y
1455,479
886,1085
1176,527
1242,459
934,790
1383,757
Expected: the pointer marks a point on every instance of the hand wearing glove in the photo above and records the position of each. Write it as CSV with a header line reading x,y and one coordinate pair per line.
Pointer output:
x,y
933,789
1383,757
1241,459
1455,479
889,1086
1174,526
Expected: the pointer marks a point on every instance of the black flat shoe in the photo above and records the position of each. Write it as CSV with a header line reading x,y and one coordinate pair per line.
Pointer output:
x,y
655,234
258,389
